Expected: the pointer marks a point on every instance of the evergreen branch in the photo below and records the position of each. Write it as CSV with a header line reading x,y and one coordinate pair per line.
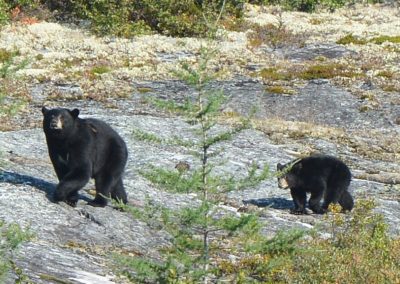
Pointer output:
x,y
169,105
146,136
173,180
6,69
181,142
225,136
234,224
149,137
252,178
214,103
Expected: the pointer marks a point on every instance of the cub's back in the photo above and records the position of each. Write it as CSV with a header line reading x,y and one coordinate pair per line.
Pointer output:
x,y
325,165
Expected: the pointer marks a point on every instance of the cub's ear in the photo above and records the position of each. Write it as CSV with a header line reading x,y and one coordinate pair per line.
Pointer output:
x,y
74,112
44,110
279,166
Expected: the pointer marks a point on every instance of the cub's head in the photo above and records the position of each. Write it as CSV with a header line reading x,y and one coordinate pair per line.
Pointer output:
x,y
282,182
59,122
287,174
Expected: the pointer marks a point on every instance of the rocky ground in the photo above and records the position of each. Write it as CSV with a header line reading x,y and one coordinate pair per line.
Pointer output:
x,y
355,117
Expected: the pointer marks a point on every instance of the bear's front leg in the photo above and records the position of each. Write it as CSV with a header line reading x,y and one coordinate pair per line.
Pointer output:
x,y
67,189
315,203
59,194
299,199
298,211
71,199
104,181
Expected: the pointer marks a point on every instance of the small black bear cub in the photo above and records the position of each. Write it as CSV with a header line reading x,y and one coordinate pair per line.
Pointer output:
x,y
323,176
81,149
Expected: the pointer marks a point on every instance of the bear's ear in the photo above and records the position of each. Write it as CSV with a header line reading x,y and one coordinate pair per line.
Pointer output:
x,y
74,112
44,110
279,166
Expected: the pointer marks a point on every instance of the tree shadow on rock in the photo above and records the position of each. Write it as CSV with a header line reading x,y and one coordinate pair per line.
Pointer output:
x,y
42,185
274,202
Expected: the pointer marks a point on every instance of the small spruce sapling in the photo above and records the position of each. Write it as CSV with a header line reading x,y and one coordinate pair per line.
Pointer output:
x,y
197,232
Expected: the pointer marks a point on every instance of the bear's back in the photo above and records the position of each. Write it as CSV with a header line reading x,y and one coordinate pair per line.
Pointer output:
x,y
104,135
324,165
100,128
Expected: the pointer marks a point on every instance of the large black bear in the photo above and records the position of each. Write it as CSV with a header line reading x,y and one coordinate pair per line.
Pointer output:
x,y
81,149
323,176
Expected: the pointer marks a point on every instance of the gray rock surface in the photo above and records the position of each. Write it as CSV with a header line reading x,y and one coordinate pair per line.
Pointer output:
x,y
75,244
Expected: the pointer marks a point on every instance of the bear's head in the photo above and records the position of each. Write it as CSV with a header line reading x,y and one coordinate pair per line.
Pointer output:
x,y
287,174
59,122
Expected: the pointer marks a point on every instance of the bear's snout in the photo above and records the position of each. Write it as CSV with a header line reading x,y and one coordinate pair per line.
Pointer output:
x,y
56,123
283,183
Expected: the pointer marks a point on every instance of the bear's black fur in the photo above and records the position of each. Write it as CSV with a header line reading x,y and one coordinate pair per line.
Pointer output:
x,y
81,149
323,176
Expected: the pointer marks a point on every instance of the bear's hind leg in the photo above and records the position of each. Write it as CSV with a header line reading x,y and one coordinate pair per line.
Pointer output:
x,y
118,192
103,184
315,203
346,201
337,190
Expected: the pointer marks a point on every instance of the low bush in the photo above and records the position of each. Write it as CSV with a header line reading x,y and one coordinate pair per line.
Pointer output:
x,y
12,97
359,250
11,236
173,18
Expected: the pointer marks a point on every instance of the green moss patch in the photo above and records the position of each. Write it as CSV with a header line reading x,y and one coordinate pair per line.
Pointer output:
x,y
280,90
6,55
386,74
100,69
328,71
382,39
273,74
351,39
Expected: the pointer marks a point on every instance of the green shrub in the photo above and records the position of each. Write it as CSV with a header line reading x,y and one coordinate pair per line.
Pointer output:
x,y
10,101
169,17
7,5
359,250
128,17
274,36
4,8
312,5
11,236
